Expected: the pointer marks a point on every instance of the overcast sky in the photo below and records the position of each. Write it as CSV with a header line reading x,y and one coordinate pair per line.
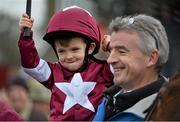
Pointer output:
x,y
17,7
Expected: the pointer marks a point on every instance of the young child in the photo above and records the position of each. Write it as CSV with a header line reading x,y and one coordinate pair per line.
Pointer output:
x,y
77,80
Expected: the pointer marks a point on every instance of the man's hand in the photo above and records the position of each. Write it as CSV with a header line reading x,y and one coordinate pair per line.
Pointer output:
x,y
105,43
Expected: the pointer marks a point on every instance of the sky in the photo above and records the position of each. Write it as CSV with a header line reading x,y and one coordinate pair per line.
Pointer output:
x,y
16,8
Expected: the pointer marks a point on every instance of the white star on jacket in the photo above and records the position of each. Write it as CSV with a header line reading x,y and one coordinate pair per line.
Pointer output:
x,y
77,92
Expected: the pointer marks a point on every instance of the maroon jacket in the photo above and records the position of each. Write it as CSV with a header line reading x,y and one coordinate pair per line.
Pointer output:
x,y
8,114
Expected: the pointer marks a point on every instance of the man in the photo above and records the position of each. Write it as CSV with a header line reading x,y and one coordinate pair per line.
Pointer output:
x,y
138,50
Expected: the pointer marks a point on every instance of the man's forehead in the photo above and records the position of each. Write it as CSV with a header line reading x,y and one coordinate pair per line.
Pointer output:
x,y
124,40
123,36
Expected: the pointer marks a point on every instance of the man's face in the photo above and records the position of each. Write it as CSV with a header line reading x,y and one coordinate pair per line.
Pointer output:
x,y
71,55
126,58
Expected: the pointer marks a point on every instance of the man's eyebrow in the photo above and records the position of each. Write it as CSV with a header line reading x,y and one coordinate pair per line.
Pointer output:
x,y
121,47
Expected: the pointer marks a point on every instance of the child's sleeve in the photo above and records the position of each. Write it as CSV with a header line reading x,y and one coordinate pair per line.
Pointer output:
x,y
30,60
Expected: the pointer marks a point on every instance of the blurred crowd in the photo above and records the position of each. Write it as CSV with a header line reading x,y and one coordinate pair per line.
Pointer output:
x,y
27,97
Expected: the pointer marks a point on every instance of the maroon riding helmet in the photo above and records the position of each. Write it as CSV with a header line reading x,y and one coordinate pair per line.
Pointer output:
x,y
73,20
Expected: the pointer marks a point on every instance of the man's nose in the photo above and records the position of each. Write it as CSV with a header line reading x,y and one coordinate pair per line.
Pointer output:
x,y
111,59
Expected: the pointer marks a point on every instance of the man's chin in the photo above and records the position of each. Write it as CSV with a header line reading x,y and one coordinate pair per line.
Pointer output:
x,y
118,82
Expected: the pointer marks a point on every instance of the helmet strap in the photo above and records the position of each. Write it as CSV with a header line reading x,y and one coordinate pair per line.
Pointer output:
x,y
86,58
55,52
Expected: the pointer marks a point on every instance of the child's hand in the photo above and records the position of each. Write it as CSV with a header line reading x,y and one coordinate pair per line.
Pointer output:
x,y
25,21
105,42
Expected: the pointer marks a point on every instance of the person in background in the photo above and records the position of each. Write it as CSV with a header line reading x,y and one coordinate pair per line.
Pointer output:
x,y
139,49
18,94
78,79
7,113
40,97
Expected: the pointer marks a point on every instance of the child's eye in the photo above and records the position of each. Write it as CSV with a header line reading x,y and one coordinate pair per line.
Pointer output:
x,y
75,49
60,51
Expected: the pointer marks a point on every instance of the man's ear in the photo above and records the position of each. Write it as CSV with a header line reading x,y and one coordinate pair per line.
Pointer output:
x,y
153,58
91,48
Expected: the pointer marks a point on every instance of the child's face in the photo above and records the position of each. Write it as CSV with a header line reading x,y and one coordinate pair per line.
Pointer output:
x,y
71,53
